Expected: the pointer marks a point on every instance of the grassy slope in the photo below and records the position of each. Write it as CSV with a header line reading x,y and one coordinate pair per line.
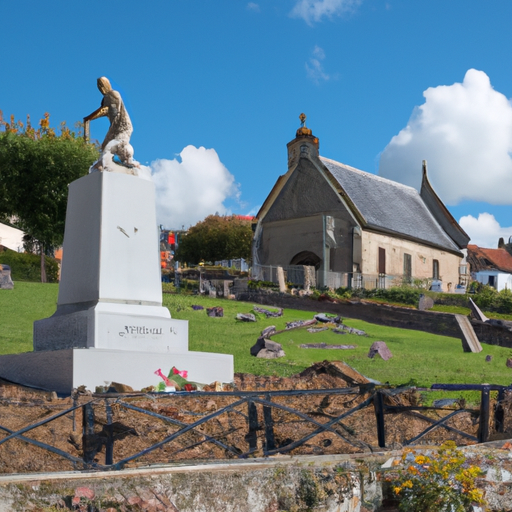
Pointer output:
x,y
18,310
424,357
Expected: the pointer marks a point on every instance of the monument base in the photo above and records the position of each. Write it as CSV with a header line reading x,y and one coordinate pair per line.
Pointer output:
x,y
63,370
110,325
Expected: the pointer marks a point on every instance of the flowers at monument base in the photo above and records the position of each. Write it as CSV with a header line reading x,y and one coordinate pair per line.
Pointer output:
x,y
176,380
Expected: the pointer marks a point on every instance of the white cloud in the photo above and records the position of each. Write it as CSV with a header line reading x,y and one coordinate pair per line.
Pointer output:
x,y
253,211
251,6
315,10
189,190
314,67
484,231
464,131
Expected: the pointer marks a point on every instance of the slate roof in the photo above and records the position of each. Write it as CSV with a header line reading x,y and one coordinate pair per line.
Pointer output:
x,y
481,258
386,205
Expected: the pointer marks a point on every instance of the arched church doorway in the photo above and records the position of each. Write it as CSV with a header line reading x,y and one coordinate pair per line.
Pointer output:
x,y
306,258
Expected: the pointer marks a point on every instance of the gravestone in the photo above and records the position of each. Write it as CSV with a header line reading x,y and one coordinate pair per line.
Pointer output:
x,y
425,302
380,347
281,279
5,278
110,324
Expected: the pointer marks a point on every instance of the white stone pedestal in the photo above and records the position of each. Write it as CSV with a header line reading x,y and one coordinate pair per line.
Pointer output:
x,y
110,324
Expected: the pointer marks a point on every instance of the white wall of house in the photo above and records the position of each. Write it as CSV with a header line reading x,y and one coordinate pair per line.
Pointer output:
x,y
500,280
11,238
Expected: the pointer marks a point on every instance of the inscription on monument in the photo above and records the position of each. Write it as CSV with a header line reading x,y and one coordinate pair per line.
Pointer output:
x,y
135,331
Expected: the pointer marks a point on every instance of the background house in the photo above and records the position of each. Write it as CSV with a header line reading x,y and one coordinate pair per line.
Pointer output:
x,y
353,226
12,238
490,266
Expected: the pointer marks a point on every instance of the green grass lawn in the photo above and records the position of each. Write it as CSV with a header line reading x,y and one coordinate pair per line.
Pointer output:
x,y
418,357
19,308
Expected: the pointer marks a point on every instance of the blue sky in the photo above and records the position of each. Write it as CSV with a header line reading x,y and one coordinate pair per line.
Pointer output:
x,y
215,88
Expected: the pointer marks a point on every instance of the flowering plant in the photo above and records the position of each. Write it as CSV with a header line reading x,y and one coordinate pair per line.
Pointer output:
x,y
440,481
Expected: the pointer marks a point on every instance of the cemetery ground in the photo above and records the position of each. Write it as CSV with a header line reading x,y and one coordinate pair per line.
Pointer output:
x,y
419,360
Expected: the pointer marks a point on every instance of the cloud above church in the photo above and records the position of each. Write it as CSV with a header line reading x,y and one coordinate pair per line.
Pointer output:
x,y
316,10
464,131
314,66
485,231
192,187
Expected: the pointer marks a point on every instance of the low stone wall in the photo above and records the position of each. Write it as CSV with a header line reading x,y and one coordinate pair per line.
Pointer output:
x,y
492,334
382,314
335,483
433,322
313,483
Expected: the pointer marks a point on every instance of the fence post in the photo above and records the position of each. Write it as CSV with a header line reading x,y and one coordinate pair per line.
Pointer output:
x,y
483,431
499,412
378,404
88,440
251,436
109,445
270,442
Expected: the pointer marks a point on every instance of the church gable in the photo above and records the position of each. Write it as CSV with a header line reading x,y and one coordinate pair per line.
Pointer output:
x,y
306,193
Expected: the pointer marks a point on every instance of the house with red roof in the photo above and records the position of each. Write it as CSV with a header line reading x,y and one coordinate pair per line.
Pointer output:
x,y
490,266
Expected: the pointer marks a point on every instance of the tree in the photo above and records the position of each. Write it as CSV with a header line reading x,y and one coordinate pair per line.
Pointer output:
x,y
36,167
216,238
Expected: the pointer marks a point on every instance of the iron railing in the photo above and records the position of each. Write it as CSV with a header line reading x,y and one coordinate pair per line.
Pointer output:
x,y
241,424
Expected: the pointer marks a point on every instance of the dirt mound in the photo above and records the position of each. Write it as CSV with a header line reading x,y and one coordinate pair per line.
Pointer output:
x,y
229,426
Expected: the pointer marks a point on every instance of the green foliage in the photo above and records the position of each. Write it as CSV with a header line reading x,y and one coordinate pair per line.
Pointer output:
x,y
397,294
489,299
27,267
440,481
256,285
216,238
36,167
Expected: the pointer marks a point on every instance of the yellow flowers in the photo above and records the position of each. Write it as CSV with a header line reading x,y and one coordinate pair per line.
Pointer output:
x,y
441,480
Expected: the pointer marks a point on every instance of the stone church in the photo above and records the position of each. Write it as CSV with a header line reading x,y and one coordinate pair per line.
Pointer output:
x,y
343,220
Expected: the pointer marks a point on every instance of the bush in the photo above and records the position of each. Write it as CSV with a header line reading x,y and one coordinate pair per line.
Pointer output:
x,y
27,267
400,294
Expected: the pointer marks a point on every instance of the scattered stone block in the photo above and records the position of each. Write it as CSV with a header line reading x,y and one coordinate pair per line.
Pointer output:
x,y
294,292
343,329
267,349
380,347
216,311
300,323
5,278
488,359
425,303
445,402
196,307
117,387
509,362
317,329
268,331
246,317
327,346
269,313
325,318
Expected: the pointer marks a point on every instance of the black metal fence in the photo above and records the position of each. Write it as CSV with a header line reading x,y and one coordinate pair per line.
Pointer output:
x,y
117,431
